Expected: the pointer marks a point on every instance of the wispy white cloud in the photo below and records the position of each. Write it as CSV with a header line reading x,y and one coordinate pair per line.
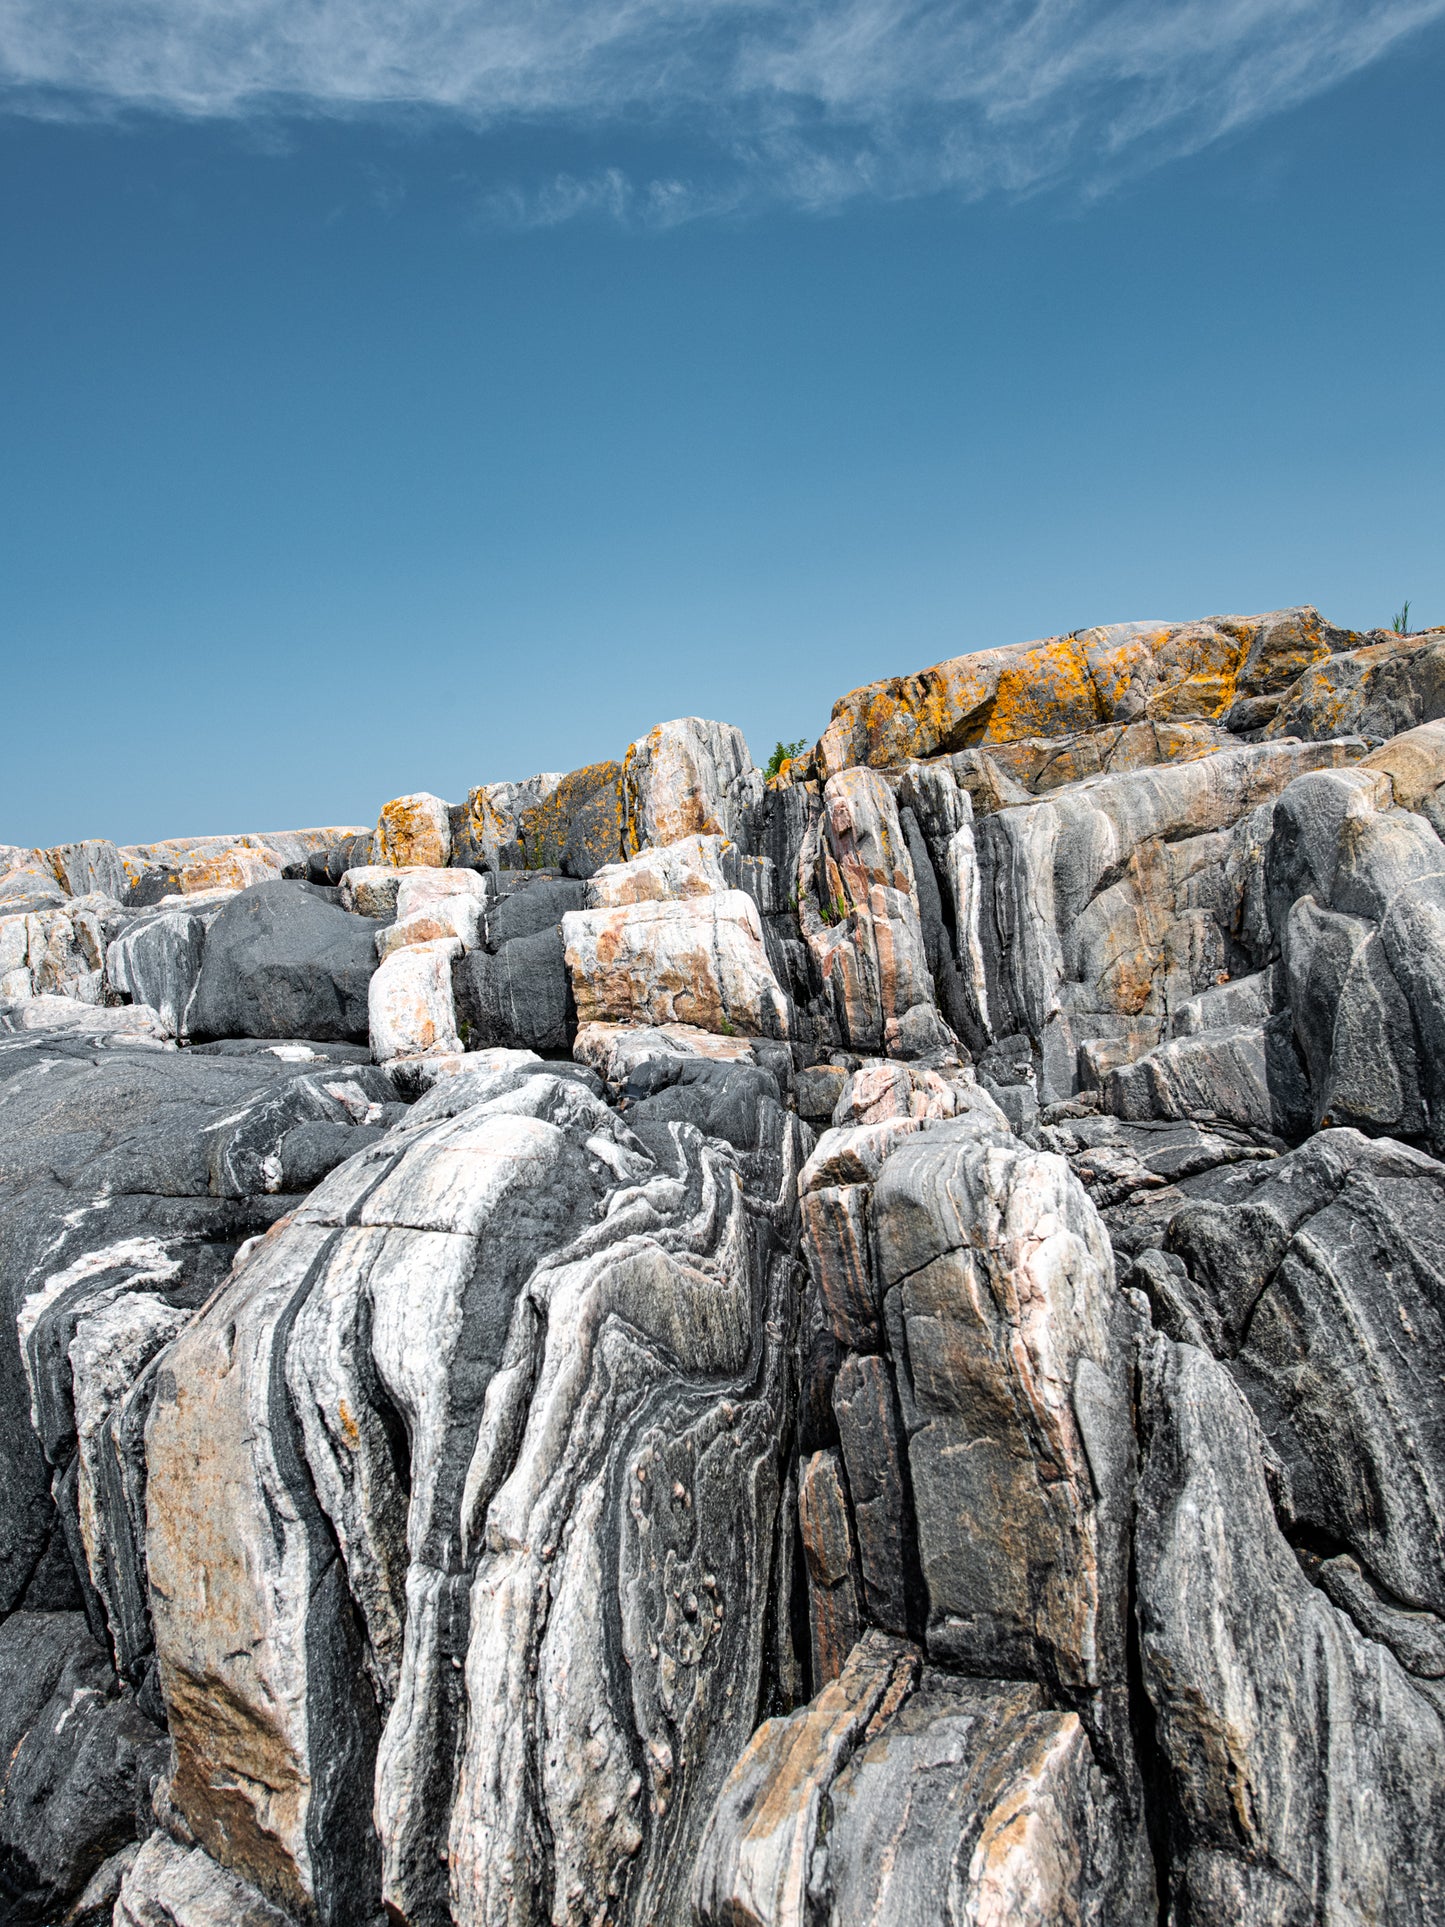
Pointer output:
x,y
808,102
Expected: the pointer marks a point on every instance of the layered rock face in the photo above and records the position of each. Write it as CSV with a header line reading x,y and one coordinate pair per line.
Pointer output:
x,y
651,1347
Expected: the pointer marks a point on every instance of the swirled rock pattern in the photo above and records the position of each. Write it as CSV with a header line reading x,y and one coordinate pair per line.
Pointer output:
x,y
655,1347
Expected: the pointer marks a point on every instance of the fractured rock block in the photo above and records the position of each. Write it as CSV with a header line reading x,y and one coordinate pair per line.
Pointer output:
x,y
836,1620
874,1453
280,961
836,1239
903,1797
1247,1075
432,905
1302,1760
691,778
413,829
699,962
691,866
858,905
156,960
518,996
999,1287
173,1886
1116,673
411,1012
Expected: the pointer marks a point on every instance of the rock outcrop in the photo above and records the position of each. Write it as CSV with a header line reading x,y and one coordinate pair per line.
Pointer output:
x,y
662,1349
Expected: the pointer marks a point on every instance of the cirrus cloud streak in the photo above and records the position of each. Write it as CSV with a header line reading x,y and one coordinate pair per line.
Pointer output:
x,y
808,103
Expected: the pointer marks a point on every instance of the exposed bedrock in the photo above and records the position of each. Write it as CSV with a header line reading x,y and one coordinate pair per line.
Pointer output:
x,y
660,1346
498,1415
1301,1760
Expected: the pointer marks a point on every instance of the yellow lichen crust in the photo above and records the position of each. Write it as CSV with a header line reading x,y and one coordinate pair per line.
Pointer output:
x,y
579,826
1166,672
413,830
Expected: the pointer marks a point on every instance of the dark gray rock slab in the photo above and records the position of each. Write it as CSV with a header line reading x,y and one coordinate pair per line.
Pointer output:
x,y
77,1761
1300,1762
519,998
539,906
280,962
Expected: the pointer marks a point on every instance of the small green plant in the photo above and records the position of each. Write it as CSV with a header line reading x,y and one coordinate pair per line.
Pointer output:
x,y
783,753
1401,624
727,1027
834,912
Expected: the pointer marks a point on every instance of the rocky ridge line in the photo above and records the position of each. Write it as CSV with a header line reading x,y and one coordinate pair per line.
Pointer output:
x,y
660,1347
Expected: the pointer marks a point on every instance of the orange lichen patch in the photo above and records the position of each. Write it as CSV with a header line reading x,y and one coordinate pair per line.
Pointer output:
x,y
998,695
582,819
1048,691
413,830
234,869
1128,986
350,1430
1172,673
490,828
1283,649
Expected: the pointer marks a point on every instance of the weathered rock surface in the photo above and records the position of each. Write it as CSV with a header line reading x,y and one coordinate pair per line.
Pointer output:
x,y
696,959
411,1010
457,1288
1302,1761
1121,673
282,962
690,778
79,1759
413,829
924,1407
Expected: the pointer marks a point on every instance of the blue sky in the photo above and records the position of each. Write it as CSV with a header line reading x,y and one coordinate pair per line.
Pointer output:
x,y
413,396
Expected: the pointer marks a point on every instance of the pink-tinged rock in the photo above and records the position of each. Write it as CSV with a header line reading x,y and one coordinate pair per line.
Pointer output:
x,y
834,1605
409,1002
888,1089
434,905
689,867
858,906
698,962
836,1243
690,778
757,1854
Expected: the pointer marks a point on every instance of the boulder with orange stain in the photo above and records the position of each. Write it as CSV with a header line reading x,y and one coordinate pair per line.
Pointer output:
x,y
690,778
434,905
409,1002
414,829
1384,686
190,864
665,941
699,962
